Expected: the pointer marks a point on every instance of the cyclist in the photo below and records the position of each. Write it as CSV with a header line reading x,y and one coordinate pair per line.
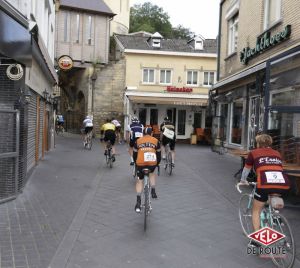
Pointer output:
x,y
108,131
60,121
146,154
118,129
135,130
88,126
167,130
267,164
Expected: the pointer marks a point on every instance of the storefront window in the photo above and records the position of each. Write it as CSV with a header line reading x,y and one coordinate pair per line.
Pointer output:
x,y
236,121
285,130
285,97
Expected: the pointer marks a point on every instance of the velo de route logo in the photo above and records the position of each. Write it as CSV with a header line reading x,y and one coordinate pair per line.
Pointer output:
x,y
266,237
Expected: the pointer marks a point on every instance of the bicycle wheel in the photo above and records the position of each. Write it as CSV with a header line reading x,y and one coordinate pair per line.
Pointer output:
x,y
280,224
89,143
245,213
169,161
110,158
147,205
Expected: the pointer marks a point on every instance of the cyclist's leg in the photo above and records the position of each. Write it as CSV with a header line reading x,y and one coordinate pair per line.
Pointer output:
x,y
152,177
260,198
130,150
172,148
164,142
139,189
113,141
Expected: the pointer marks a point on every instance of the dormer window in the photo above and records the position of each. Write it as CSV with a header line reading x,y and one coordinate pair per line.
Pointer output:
x,y
199,45
155,40
197,42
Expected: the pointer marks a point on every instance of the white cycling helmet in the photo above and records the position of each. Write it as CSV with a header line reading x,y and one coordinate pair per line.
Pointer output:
x,y
134,119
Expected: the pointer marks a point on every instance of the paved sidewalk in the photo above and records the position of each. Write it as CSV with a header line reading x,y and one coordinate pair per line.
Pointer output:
x,y
75,212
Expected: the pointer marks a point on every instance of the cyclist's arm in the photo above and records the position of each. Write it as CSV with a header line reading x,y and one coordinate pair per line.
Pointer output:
x,y
245,174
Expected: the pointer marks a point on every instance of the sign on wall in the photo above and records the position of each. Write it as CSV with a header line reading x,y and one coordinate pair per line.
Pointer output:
x,y
65,62
264,42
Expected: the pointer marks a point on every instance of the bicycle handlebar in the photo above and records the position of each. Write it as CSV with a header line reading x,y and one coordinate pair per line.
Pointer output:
x,y
244,184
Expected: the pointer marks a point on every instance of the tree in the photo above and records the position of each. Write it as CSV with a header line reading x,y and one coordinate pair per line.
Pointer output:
x,y
151,18
181,32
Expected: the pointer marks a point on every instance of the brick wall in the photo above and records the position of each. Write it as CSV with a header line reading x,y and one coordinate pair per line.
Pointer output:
x,y
250,27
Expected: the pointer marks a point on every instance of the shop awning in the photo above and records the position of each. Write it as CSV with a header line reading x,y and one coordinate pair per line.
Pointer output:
x,y
169,100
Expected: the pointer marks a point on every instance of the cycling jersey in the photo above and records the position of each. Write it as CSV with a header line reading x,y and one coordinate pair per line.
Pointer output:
x,y
168,130
60,118
267,164
116,123
108,126
136,130
146,151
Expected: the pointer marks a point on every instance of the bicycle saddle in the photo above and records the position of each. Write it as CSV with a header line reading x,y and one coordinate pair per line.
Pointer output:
x,y
146,171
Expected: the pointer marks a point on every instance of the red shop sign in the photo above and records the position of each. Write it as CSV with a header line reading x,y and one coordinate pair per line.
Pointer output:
x,y
179,89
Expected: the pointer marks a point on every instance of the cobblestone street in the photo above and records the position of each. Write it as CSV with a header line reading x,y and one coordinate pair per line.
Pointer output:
x,y
76,212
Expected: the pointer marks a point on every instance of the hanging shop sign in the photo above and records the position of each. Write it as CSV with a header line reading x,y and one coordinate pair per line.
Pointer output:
x,y
14,72
65,62
264,42
179,89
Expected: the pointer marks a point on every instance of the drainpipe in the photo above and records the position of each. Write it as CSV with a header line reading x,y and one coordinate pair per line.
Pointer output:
x,y
93,78
219,40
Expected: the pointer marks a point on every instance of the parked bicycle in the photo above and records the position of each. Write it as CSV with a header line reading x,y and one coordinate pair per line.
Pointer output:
x,y
270,217
109,156
88,140
168,160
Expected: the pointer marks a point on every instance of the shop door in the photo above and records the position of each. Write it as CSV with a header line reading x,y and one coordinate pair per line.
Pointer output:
x,y
255,119
153,117
197,120
143,116
181,122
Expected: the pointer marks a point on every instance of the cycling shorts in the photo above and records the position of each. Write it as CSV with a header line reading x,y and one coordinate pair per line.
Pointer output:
x,y
166,140
87,129
132,142
110,135
262,194
60,123
118,129
139,171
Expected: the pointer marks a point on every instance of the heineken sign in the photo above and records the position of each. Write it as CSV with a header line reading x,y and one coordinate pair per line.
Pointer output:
x,y
263,43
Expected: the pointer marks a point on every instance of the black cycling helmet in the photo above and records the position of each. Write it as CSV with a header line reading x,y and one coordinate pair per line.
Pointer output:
x,y
148,131
166,118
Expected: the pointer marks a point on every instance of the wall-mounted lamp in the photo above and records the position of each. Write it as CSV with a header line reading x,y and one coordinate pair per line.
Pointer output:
x,y
45,94
25,96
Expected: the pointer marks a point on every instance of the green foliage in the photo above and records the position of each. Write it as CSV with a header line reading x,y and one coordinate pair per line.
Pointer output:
x,y
151,18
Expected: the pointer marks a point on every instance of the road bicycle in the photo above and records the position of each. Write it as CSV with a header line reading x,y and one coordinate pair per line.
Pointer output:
x,y
168,160
59,129
109,156
88,140
146,196
269,217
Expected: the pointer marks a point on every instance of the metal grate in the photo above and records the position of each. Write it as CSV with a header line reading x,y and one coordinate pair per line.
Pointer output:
x,y
9,153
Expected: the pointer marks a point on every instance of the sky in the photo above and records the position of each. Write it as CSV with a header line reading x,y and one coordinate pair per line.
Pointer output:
x,y
200,16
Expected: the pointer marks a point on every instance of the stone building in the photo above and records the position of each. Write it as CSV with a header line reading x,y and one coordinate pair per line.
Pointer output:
x,y
91,83
27,78
167,77
258,86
